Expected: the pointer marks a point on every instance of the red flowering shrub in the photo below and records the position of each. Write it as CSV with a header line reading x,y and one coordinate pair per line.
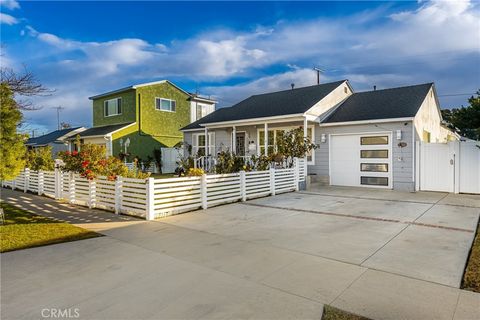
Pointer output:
x,y
92,161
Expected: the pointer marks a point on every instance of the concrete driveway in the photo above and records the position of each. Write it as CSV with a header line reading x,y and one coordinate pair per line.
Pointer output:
x,y
381,254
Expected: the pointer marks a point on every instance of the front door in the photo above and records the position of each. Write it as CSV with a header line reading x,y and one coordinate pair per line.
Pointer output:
x,y
240,144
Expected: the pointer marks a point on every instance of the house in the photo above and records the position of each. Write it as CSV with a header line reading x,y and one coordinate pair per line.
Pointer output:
x,y
57,139
365,138
140,118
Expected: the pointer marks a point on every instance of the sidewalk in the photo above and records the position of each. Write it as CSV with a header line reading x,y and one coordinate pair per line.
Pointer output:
x,y
91,219
158,269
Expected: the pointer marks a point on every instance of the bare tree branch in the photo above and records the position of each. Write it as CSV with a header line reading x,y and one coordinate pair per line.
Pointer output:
x,y
23,84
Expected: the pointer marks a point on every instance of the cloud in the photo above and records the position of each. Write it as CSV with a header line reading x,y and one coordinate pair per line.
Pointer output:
x,y
7,19
10,4
436,41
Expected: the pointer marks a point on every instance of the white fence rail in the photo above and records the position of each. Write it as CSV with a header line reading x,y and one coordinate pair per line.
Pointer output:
x,y
153,198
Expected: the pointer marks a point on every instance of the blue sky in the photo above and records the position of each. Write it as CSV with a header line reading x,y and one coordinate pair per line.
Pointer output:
x,y
231,50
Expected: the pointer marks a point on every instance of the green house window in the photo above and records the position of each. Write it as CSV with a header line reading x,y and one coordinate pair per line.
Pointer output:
x,y
165,104
112,107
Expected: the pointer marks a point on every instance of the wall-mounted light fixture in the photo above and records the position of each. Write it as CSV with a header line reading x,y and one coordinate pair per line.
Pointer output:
x,y
323,138
399,134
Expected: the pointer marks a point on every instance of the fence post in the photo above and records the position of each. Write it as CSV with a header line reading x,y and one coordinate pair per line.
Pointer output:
x,y
92,186
243,185
26,177
14,184
272,181
296,179
71,188
40,182
118,195
203,191
58,183
150,188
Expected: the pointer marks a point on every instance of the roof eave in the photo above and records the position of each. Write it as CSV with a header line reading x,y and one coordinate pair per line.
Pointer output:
x,y
372,121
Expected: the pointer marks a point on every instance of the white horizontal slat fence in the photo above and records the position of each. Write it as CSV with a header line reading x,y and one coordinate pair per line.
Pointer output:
x,y
154,198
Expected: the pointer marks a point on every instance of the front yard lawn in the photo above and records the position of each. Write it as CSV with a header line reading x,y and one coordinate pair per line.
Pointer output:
x,y
331,313
471,277
23,229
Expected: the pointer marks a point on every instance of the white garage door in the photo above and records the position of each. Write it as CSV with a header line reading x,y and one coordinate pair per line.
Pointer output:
x,y
361,160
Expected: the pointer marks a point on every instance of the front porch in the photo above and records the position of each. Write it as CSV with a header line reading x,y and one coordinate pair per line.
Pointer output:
x,y
244,139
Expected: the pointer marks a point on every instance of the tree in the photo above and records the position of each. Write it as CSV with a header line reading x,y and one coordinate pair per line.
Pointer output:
x,y
22,84
40,159
465,120
292,143
12,148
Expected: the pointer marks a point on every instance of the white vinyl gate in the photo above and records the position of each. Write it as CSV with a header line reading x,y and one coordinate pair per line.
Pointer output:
x,y
170,156
449,167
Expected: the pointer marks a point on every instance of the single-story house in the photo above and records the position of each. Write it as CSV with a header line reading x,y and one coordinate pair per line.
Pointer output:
x,y
365,138
57,139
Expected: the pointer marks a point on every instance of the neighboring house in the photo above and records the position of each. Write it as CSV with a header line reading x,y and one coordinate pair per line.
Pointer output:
x,y
149,116
57,139
365,138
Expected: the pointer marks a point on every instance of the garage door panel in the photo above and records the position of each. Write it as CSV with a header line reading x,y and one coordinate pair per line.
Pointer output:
x,y
357,164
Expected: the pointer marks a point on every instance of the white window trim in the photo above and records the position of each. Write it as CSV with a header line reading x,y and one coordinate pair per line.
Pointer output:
x,y
159,98
116,114
311,162
211,143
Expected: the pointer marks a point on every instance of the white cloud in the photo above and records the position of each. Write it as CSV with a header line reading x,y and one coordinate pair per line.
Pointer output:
x,y
7,19
438,41
10,4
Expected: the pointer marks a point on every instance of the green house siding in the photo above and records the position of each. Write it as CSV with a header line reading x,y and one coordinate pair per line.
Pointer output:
x,y
129,113
163,126
154,128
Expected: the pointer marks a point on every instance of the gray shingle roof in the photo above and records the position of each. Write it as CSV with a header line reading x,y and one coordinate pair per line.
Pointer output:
x,y
391,103
103,130
49,137
270,104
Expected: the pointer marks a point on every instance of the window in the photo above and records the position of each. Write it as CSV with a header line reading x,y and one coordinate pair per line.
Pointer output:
x,y
165,104
374,140
112,107
270,142
273,134
201,111
374,154
426,136
198,144
374,167
374,181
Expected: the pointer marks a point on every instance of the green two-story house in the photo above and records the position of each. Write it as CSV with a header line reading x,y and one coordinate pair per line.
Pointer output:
x,y
135,120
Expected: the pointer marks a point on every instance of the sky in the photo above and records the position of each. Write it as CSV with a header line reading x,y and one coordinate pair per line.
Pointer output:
x,y
232,50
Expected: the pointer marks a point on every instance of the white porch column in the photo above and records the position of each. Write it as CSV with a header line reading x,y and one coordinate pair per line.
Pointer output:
x,y
206,142
305,125
265,138
234,140
109,145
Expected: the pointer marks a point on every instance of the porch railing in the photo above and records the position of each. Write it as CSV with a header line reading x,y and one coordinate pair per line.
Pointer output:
x,y
207,163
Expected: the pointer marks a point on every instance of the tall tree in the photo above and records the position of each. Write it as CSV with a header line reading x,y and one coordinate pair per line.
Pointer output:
x,y
465,120
12,148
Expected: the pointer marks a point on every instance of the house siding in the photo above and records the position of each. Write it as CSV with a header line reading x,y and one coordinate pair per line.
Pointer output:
x,y
402,158
129,113
163,126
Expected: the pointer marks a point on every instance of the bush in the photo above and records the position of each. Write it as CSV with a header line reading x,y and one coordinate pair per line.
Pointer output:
x,y
40,159
195,172
229,163
261,162
92,161
291,144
